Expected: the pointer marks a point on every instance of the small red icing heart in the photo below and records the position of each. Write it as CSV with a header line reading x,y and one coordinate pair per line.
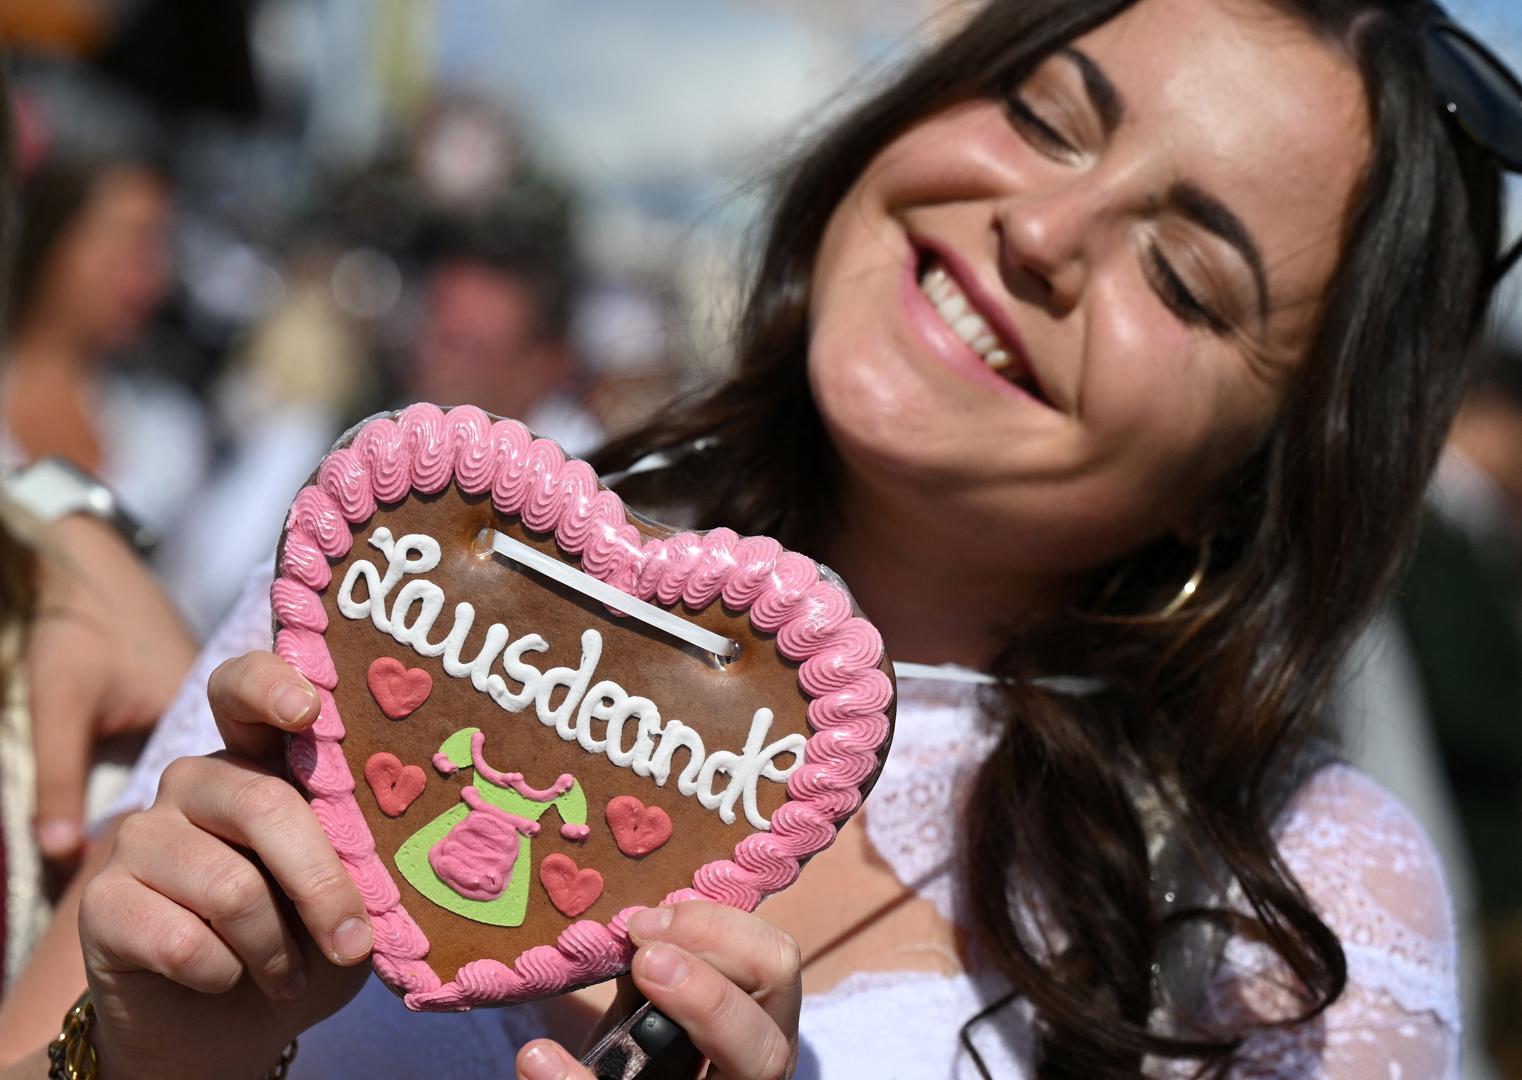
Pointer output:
x,y
398,690
637,829
572,890
395,785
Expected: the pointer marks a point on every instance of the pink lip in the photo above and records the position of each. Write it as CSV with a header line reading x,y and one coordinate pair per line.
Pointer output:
x,y
950,349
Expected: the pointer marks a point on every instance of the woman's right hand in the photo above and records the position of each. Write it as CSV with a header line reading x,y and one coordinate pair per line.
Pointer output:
x,y
224,923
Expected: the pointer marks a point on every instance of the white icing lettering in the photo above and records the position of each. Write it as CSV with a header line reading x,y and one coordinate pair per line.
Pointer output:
x,y
596,705
675,736
479,669
647,714
429,599
414,612
527,674
754,763
575,681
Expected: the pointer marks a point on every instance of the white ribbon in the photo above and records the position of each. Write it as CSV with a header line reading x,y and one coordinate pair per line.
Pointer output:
x,y
725,648
587,585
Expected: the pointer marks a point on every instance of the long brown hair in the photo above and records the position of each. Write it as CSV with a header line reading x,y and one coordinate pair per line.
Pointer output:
x,y
1207,709
18,561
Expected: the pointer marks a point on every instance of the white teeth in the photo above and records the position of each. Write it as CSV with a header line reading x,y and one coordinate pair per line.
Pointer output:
x,y
971,328
952,306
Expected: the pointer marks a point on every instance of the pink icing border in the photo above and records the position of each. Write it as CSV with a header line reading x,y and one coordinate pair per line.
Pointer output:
x,y
422,448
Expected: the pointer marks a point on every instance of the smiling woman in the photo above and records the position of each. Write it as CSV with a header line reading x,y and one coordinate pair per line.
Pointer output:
x,y
1106,352
1077,311
1077,224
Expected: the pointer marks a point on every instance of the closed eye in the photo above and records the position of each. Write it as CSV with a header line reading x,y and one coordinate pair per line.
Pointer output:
x,y
1177,295
1036,129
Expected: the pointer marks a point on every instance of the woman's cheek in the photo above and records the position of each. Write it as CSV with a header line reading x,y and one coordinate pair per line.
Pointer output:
x,y
1142,364
870,405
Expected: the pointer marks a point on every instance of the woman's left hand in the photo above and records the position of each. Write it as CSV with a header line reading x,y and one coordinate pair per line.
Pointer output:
x,y
729,978
106,653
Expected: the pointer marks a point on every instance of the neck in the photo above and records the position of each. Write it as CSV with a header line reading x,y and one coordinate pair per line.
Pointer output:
x,y
907,566
36,349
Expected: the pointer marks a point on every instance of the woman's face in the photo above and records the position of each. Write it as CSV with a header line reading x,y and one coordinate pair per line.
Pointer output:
x,y
1063,316
110,269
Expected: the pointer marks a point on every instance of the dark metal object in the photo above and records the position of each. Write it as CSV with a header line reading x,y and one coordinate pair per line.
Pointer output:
x,y
1481,94
1475,87
644,1045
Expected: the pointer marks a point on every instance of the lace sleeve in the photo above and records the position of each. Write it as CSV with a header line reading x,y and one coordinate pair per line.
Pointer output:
x,y
1376,881
187,728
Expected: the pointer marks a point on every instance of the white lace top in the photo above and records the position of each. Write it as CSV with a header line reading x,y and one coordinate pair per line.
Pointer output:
x,y
1359,855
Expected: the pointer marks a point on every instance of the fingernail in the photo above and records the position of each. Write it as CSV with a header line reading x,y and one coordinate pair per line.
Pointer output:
x,y
541,1063
663,965
294,985
351,940
58,837
649,924
291,701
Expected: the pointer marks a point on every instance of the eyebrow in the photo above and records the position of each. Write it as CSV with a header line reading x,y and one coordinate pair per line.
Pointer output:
x,y
1191,200
1102,93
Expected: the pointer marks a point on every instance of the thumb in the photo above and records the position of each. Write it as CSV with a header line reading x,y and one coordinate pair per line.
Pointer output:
x,y
64,702
543,1059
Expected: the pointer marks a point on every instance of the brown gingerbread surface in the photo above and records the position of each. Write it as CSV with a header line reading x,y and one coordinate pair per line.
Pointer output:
x,y
718,700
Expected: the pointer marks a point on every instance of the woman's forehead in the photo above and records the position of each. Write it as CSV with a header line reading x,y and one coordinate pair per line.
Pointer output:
x,y
1246,102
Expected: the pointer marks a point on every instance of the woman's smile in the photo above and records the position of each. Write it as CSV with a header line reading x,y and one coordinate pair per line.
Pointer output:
x,y
1069,308
942,294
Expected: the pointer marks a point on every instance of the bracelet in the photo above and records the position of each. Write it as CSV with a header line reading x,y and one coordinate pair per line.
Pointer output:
x,y
282,1065
71,1054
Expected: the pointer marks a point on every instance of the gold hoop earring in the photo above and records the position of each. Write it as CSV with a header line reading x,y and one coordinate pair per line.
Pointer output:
x,y
1191,586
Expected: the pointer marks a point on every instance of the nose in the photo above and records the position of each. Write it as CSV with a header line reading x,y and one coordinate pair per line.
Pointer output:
x,y
1043,246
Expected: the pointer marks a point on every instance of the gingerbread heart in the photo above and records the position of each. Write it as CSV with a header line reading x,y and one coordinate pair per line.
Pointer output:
x,y
555,708
570,888
637,829
398,689
395,785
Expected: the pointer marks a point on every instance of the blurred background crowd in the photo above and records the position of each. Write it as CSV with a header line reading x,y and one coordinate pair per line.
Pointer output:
x,y
246,224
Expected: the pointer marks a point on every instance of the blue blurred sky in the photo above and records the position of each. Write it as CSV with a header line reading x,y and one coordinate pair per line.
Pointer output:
x,y
663,90
1499,22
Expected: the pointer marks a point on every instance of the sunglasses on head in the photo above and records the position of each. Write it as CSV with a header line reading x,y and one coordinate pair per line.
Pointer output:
x,y
1479,93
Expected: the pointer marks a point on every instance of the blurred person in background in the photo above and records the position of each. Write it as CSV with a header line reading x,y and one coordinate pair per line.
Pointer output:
x,y
494,331
441,272
91,650
500,279
90,269
295,381
620,333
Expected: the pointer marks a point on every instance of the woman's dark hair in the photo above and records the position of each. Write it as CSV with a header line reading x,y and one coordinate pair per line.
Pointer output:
x,y
1209,709
18,562
18,592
